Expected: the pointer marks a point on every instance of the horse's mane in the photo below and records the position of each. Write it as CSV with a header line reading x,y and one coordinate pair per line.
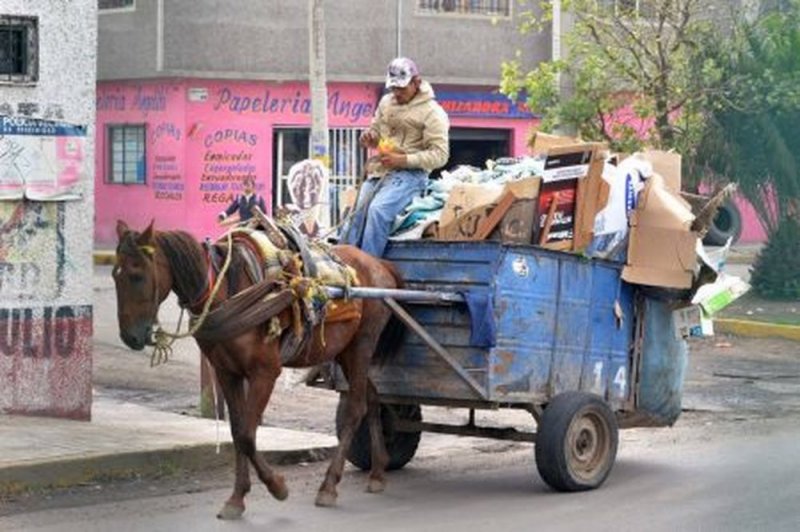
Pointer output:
x,y
187,262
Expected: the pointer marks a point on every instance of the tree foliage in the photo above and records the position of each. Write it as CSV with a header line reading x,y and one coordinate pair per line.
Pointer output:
x,y
751,135
640,62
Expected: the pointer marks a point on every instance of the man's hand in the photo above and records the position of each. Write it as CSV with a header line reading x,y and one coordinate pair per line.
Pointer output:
x,y
393,160
369,138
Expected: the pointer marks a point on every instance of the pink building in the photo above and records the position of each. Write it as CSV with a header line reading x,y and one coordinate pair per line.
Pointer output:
x,y
176,150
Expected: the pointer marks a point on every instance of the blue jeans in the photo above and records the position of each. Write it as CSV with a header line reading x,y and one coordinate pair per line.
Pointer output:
x,y
370,225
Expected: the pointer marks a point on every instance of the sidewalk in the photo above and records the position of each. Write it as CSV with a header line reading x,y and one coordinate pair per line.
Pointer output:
x,y
125,439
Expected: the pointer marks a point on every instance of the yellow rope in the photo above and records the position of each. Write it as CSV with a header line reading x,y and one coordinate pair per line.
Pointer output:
x,y
164,340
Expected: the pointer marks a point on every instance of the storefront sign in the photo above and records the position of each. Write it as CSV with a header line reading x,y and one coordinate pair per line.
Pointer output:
x,y
482,105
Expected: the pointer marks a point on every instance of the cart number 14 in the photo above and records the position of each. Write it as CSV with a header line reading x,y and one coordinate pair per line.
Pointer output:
x,y
620,379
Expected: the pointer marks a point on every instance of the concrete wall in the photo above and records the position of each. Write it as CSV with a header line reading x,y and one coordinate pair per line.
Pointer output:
x,y
45,246
268,39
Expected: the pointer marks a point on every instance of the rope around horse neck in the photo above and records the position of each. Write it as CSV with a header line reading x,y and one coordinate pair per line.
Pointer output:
x,y
164,340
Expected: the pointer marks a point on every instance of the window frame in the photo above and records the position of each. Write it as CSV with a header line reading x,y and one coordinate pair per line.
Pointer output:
x,y
30,54
424,11
109,151
111,10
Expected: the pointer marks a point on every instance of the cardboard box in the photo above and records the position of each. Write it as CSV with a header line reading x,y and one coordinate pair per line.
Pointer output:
x,y
514,219
573,180
692,322
467,197
542,143
661,246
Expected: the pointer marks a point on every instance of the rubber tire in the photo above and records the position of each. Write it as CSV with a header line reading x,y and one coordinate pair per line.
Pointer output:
x,y
401,446
727,224
552,441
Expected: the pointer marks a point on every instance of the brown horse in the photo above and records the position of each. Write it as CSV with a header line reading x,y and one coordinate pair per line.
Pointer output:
x,y
150,264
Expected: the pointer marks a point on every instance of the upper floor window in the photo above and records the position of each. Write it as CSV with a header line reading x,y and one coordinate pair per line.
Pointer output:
x,y
630,8
19,58
127,5
126,154
490,8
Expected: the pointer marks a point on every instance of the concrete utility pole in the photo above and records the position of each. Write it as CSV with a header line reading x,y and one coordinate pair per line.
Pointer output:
x,y
319,148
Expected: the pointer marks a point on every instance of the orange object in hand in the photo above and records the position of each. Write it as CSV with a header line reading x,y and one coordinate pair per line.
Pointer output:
x,y
386,146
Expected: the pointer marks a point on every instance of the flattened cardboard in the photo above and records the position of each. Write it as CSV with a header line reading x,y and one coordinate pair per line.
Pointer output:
x,y
542,143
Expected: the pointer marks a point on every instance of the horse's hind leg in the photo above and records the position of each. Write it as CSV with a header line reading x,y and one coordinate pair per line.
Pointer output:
x,y
355,370
379,457
261,383
233,390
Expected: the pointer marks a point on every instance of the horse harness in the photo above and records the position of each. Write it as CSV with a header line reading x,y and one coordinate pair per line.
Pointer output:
x,y
281,278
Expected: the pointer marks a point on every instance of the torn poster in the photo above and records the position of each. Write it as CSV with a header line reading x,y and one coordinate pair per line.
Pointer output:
x,y
41,160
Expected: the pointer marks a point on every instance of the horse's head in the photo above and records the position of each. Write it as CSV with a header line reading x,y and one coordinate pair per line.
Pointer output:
x,y
140,288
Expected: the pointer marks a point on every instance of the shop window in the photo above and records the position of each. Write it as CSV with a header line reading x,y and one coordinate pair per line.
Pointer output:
x,y
488,8
119,5
126,146
19,54
291,145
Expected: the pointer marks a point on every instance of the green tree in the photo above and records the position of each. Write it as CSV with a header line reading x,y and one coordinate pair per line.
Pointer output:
x,y
623,55
752,137
751,134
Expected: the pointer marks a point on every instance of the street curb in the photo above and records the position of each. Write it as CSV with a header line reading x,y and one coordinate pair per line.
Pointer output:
x,y
756,329
66,473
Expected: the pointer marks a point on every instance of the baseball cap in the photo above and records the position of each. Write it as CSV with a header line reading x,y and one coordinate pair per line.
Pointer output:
x,y
400,72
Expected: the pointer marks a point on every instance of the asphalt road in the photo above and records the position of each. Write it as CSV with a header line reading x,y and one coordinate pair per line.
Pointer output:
x,y
737,475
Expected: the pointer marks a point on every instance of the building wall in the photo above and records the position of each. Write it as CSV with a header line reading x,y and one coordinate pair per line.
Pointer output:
x,y
268,39
46,246
204,136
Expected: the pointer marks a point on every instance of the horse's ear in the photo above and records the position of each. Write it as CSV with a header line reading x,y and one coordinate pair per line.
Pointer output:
x,y
146,238
122,228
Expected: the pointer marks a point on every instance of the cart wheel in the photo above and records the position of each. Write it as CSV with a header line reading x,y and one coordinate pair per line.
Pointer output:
x,y
401,446
576,442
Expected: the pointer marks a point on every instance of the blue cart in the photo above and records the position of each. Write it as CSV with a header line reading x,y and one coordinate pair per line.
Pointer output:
x,y
507,326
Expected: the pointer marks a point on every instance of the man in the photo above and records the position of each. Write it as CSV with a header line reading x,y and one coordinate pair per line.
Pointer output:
x,y
410,131
244,203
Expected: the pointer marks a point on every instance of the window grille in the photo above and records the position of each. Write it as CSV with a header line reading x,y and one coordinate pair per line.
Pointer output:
x,y
292,145
489,8
127,161
115,4
19,61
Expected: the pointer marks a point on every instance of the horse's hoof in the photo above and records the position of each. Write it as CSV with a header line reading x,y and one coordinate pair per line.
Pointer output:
x,y
325,500
279,490
376,486
230,512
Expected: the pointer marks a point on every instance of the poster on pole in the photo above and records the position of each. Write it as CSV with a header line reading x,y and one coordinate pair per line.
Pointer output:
x,y
41,160
308,189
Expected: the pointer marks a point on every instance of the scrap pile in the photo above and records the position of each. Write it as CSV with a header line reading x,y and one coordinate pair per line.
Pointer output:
x,y
576,197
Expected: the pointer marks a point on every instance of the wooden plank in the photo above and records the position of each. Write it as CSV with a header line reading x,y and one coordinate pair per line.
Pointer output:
x,y
548,222
487,225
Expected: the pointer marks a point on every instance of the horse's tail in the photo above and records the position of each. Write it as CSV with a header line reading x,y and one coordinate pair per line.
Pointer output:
x,y
395,330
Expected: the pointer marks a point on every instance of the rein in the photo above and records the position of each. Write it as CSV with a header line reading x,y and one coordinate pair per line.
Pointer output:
x,y
163,340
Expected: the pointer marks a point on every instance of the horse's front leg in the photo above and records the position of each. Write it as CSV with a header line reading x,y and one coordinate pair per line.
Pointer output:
x,y
261,383
233,390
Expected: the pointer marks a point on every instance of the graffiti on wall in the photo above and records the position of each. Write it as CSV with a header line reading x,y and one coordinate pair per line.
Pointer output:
x,y
41,159
31,251
42,332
